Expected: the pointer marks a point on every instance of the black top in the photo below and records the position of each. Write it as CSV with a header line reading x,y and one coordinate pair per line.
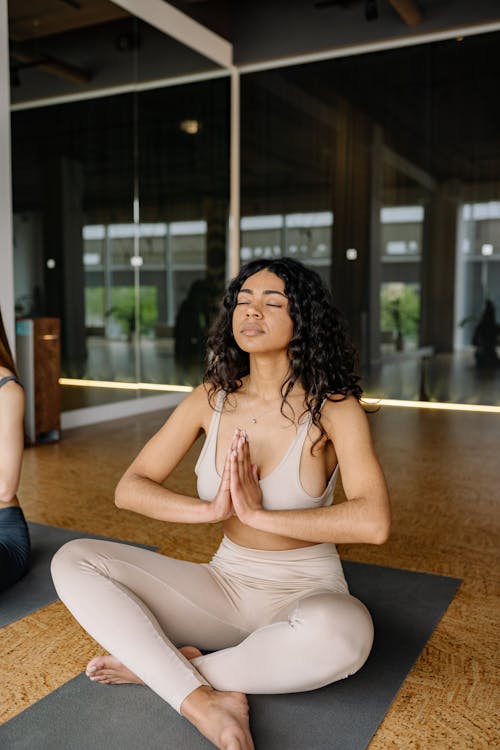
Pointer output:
x,y
10,377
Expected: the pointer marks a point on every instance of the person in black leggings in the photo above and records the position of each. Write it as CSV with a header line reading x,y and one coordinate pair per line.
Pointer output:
x,y
14,536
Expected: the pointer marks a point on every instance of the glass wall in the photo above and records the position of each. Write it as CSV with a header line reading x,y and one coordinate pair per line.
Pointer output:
x,y
121,207
392,162
381,171
478,259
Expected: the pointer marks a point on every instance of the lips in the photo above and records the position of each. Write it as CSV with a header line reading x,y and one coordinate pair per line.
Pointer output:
x,y
251,330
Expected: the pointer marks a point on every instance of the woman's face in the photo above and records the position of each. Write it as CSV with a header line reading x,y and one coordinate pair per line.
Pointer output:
x,y
261,321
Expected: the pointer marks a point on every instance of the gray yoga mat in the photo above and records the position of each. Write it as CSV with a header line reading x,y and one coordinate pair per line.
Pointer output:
x,y
36,589
405,606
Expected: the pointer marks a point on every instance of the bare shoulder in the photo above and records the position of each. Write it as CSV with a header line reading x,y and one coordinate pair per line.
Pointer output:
x,y
11,408
11,393
195,407
339,410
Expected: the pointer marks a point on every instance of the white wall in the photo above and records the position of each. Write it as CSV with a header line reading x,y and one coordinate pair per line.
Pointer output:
x,y
6,254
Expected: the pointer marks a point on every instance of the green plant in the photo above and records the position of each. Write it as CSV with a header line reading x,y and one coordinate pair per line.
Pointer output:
x,y
400,309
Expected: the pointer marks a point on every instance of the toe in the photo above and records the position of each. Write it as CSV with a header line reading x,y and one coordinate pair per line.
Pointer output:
x,y
95,664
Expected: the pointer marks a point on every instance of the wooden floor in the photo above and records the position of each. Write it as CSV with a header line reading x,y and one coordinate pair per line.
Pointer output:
x,y
443,469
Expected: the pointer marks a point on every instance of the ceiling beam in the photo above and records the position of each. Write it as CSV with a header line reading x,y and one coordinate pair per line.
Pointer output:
x,y
408,11
50,65
33,19
179,26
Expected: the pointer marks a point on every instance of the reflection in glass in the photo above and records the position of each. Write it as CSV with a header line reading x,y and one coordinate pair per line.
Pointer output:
x,y
179,245
401,246
408,167
376,170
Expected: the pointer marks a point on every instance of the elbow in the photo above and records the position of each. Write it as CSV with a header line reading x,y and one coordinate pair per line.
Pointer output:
x,y
380,531
381,536
7,492
120,495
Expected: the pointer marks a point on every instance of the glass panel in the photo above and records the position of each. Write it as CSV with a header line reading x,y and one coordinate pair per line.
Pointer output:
x,y
407,171
401,242
116,197
184,196
478,256
286,187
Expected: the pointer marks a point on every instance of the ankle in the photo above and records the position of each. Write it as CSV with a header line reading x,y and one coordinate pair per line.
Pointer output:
x,y
196,702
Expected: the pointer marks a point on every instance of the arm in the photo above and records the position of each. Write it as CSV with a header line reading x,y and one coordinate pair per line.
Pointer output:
x,y
140,488
365,515
11,440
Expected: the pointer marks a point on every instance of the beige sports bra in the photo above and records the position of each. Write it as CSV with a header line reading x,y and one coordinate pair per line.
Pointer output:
x,y
281,489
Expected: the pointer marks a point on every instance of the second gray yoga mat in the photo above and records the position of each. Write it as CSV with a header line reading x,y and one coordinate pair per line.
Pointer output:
x,y
36,589
405,607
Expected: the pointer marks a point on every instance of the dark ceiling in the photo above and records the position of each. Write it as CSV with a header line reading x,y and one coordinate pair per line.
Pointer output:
x,y
436,104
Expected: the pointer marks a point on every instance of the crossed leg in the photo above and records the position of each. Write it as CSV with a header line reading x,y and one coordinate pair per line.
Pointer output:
x,y
138,604
129,599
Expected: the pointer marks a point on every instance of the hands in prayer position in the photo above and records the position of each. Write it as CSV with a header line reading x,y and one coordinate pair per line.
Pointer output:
x,y
239,491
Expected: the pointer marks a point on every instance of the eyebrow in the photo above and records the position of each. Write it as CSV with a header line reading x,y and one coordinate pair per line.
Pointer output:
x,y
266,291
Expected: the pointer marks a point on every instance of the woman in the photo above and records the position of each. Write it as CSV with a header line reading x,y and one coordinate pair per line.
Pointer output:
x,y
14,536
280,410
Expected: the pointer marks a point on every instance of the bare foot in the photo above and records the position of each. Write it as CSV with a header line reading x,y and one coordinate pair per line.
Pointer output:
x,y
110,671
222,717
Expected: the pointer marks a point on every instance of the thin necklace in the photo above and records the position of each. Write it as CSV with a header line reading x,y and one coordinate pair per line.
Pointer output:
x,y
255,419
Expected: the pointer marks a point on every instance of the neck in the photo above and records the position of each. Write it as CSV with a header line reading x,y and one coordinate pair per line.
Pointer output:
x,y
266,377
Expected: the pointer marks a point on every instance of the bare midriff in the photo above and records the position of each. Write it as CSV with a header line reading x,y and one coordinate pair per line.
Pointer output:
x,y
246,536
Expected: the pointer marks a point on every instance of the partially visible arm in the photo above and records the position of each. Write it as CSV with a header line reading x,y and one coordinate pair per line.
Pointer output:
x,y
140,488
364,517
11,439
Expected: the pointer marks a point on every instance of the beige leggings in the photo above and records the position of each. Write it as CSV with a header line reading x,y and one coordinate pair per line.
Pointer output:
x,y
276,622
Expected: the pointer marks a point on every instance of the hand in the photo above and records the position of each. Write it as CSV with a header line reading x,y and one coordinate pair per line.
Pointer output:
x,y
244,480
222,504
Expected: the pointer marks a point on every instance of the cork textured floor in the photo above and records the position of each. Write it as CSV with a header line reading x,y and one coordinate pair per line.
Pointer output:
x,y
443,472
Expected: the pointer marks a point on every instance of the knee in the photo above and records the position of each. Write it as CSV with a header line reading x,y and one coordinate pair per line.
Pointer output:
x,y
70,558
340,633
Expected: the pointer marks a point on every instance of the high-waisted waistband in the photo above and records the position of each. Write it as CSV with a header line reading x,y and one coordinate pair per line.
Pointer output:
x,y
313,551
314,566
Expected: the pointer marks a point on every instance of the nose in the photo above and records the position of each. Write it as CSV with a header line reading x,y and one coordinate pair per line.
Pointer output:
x,y
253,310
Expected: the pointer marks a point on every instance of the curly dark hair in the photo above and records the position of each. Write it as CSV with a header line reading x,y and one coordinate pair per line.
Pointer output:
x,y
321,353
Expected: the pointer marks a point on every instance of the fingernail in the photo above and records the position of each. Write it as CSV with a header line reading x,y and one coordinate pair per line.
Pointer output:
x,y
91,669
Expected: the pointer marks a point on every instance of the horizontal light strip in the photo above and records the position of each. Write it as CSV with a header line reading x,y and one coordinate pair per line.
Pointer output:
x,y
432,405
125,386
188,388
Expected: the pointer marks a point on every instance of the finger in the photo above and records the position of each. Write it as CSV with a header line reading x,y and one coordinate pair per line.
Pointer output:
x,y
227,464
246,463
234,469
226,472
234,441
240,454
255,472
